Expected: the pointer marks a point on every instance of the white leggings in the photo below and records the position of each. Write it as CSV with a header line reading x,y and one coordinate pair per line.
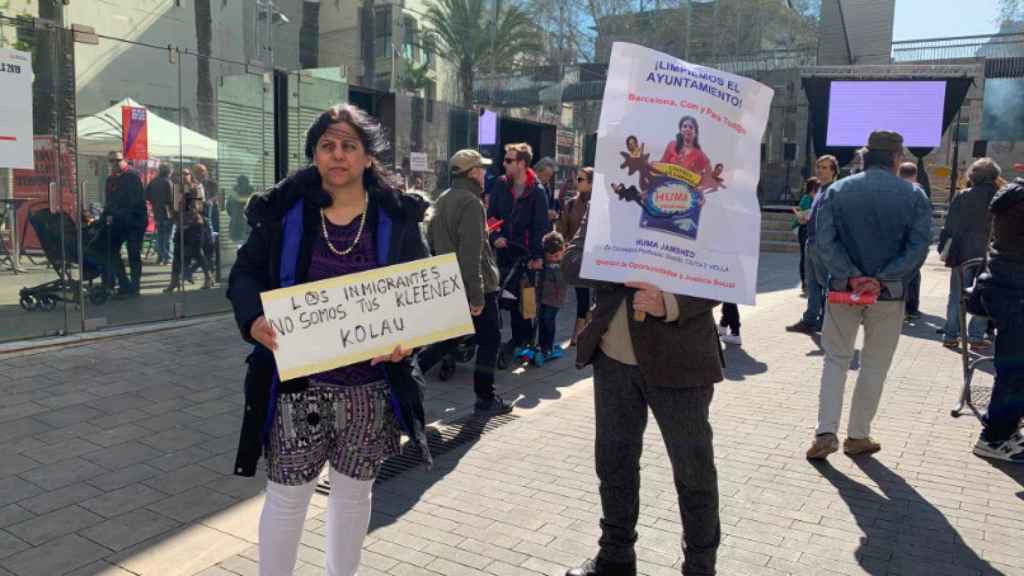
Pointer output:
x,y
284,513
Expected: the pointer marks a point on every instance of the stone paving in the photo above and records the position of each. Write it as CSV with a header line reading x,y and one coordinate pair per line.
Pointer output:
x,y
116,460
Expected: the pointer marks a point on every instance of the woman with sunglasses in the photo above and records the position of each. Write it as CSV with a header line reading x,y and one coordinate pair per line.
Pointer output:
x,y
572,214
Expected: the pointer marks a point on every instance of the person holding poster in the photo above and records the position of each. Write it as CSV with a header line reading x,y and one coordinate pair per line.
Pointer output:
x,y
342,215
663,243
668,363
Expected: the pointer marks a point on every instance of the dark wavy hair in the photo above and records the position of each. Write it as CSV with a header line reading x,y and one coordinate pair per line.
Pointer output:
x,y
696,133
811,185
370,133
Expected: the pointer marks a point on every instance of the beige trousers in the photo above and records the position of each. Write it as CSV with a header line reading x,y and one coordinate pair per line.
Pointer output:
x,y
882,325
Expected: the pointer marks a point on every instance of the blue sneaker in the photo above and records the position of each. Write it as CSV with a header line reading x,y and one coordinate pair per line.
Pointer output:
x,y
556,352
539,358
524,354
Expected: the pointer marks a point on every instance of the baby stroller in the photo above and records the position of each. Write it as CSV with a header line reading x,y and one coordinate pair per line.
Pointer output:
x,y
464,353
974,397
510,296
62,258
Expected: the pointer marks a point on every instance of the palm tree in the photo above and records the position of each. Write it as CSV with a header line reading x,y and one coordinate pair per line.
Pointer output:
x,y
415,78
463,30
204,83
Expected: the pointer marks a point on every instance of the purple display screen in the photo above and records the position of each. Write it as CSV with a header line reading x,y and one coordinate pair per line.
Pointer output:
x,y
487,129
914,109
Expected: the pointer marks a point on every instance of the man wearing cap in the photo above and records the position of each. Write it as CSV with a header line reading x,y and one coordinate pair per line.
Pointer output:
x,y
125,213
873,231
459,225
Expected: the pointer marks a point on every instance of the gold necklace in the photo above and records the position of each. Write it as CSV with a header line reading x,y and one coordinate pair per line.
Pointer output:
x,y
359,233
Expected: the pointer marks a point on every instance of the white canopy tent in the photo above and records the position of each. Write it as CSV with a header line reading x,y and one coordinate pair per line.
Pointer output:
x,y
100,133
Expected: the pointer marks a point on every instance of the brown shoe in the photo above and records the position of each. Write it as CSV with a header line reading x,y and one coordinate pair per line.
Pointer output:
x,y
824,444
951,343
861,446
980,345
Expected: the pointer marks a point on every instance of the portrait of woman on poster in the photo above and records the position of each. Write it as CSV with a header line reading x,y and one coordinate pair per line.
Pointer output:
x,y
685,152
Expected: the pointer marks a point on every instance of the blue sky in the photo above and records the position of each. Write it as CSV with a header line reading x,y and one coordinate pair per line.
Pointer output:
x,y
940,18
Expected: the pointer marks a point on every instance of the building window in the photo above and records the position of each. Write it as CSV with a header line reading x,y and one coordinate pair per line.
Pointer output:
x,y
410,40
965,129
431,94
382,33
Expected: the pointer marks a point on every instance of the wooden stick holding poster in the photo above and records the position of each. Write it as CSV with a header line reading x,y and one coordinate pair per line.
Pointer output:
x,y
340,321
675,202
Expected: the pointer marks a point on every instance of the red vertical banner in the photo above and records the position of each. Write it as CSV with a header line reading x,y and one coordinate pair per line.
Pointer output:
x,y
134,136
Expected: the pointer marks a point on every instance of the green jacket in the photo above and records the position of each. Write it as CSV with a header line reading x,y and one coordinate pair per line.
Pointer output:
x,y
459,225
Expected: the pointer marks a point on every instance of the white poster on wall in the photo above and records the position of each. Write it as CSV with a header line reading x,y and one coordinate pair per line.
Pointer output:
x,y
418,162
15,109
675,177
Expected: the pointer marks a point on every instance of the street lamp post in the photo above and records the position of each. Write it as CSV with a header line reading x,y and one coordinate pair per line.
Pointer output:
x,y
267,12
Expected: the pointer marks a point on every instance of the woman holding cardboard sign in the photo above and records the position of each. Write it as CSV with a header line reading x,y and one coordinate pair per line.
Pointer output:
x,y
342,215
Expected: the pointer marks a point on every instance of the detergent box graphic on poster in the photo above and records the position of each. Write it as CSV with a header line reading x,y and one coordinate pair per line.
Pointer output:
x,y
675,177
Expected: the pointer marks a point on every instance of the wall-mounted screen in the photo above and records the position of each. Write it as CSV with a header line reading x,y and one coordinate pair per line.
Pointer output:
x,y
912,108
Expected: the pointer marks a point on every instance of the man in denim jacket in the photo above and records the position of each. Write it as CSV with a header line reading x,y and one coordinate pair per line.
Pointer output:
x,y
872,234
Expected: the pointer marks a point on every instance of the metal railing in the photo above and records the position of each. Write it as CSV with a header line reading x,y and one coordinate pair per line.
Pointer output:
x,y
1005,45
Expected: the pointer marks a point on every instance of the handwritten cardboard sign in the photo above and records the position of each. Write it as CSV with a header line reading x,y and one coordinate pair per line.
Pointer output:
x,y
340,321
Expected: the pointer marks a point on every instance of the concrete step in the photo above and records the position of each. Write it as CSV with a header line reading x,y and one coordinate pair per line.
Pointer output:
x,y
776,225
772,246
782,216
778,236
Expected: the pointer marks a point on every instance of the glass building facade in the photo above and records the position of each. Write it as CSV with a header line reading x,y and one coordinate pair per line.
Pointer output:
x,y
225,86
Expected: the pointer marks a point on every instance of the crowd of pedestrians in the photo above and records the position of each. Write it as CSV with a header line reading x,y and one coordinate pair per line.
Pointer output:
x,y
185,222
868,234
864,238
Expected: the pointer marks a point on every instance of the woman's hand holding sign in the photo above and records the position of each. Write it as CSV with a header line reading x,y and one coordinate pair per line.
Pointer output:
x,y
263,333
397,355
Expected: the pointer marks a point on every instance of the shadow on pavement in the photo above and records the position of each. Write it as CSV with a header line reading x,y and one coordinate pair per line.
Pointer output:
x,y
1013,471
924,328
903,532
394,499
739,364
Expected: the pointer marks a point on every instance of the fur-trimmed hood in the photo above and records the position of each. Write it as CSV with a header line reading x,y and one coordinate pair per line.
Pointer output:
x,y
274,203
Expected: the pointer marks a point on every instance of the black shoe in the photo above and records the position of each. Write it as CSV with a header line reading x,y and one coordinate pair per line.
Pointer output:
x,y
913,315
801,327
493,407
602,568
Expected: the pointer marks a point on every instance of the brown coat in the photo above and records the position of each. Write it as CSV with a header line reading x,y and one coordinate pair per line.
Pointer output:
x,y
572,216
681,354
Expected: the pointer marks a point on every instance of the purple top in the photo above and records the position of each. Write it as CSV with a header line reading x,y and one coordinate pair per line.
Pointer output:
x,y
326,264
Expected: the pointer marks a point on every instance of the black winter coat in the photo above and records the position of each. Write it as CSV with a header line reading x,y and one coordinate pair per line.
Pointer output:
x,y
257,269
968,223
525,219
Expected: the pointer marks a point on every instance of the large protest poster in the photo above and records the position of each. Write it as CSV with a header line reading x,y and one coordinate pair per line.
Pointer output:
x,y
340,321
15,109
675,177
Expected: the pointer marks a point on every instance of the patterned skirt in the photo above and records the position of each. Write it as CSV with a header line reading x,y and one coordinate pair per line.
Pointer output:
x,y
352,427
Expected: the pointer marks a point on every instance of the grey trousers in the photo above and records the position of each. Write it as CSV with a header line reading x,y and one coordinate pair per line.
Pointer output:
x,y
882,323
621,400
